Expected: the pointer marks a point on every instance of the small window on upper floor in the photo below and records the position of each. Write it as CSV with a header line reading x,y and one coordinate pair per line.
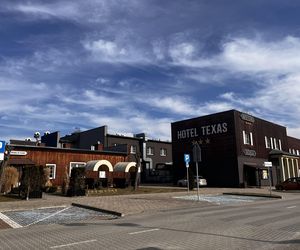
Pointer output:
x,y
150,150
272,145
279,142
267,142
247,138
275,143
163,152
132,149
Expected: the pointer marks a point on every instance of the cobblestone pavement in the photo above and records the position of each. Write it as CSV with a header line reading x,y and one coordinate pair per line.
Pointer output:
x,y
222,199
265,224
54,215
3,225
124,204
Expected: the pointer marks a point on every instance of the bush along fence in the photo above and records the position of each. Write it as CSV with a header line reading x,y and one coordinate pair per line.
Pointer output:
x,y
77,182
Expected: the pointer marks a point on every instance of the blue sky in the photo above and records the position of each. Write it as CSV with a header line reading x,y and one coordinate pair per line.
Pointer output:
x,y
138,65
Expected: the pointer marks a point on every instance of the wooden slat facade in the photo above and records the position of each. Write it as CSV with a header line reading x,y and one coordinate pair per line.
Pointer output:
x,y
63,157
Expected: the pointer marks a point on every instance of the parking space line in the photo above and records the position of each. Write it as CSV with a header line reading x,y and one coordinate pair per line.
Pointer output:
x,y
144,231
9,221
291,207
72,244
47,217
51,207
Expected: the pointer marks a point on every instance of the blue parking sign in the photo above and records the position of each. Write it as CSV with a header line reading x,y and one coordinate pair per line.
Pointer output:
x,y
186,158
2,146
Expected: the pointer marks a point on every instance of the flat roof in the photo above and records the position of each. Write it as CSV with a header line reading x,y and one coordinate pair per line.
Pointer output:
x,y
69,149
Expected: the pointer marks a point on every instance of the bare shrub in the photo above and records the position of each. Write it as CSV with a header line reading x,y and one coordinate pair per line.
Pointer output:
x,y
10,179
65,182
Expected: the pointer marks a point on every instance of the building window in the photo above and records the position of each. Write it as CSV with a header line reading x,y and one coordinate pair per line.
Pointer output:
x,y
76,165
297,152
248,138
271,140
132,149
294,152
275,143
279,141
265,174
163,152
150,151
52,170
267,142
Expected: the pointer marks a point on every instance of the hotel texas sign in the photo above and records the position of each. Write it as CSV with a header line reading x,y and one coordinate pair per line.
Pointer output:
x,y
207,130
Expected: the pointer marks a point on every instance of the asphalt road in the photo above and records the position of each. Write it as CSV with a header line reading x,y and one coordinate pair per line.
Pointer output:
x,y
272,224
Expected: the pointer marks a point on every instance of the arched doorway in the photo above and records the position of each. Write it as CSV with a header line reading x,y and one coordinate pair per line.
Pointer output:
x,y
104,171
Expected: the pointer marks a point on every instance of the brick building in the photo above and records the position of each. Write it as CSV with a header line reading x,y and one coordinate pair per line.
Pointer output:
x,y
234,147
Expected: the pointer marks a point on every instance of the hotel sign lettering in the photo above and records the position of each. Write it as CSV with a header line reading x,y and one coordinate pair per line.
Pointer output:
x,y
207,130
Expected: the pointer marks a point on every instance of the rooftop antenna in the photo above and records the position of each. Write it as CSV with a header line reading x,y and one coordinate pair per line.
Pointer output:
x,y
37,136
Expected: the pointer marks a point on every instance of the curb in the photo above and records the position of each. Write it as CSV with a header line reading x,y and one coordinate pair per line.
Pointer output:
x,y
255,194
98,209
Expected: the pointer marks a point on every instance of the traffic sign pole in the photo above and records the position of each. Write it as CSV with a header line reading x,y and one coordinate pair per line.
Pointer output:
x,y
268,165
187,178
197,158
197,176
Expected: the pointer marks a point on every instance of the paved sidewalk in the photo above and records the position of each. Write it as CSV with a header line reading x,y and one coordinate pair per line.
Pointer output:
x,y
3,225
128,204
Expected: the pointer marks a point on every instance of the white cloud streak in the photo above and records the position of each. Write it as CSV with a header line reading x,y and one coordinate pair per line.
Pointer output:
x,y
272,66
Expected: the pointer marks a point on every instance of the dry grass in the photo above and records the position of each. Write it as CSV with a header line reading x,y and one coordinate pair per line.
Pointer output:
x,y
130,190
5,198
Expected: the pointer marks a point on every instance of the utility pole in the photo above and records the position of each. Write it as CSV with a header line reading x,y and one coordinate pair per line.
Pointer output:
x,y
138,167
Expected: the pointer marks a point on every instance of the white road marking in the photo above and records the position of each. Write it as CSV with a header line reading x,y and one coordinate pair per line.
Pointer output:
x,y
50,207
51,215
145,231
292,207
72,244
9,221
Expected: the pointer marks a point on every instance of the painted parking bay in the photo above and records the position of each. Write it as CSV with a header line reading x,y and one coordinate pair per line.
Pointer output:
x,y
222,199
51,215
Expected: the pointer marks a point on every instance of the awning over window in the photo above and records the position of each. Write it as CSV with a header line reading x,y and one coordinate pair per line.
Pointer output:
x,y
21,161
95,165
124,166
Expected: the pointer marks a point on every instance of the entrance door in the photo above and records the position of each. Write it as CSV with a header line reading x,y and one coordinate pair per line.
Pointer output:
x,y
250,175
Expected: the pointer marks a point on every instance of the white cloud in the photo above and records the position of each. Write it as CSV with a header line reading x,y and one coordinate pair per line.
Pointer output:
x,y
71,10
244,56
90,13
129,123
105,50
121,50
255,56
182,52
175,104
159,49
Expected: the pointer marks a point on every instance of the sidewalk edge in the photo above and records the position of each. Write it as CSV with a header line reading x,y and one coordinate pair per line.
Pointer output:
x,y
98,209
